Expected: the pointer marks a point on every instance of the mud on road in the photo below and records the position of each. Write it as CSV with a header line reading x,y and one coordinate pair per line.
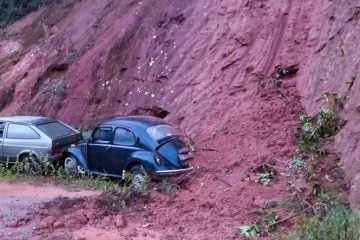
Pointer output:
x,y
50,211
18,200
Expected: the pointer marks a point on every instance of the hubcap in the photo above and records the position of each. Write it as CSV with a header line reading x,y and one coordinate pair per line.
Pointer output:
x,y
81,169
70,164
138,180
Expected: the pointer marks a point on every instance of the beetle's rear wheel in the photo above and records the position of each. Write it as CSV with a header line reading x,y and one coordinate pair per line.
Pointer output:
x,y
138,177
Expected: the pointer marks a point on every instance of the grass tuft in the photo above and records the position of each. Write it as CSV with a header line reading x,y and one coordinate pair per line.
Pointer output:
x,y
340,223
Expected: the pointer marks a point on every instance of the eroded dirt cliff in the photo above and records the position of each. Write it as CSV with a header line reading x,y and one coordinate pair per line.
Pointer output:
x,y
209,66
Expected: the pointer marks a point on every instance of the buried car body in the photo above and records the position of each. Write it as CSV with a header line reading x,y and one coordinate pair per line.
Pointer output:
x,y
139,145
21,136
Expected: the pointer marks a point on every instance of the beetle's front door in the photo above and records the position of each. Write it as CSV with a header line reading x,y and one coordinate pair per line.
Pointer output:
x,y
99,149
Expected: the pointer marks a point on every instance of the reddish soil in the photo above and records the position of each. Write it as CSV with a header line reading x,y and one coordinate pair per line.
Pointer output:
x,y
221,193
18,201
209,67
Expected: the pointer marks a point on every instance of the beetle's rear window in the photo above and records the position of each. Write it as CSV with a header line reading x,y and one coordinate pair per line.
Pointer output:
x,y
55,129
160,132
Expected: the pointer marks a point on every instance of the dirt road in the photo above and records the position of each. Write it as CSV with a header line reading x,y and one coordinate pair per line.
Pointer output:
x,y
39,212
18,200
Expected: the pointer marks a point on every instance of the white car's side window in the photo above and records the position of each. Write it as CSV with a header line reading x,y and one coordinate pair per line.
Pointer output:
x,y
19,131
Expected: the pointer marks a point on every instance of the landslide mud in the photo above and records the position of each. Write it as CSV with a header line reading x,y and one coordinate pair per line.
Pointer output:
x,y
207,67
19,200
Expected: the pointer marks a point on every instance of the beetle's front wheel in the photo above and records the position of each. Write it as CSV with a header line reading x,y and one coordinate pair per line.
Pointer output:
x,y
72,167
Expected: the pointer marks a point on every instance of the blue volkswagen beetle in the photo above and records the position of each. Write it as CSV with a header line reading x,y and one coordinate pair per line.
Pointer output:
x,y
139,145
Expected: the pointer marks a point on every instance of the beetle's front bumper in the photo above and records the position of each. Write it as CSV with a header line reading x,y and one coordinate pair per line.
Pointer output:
x,y
173,172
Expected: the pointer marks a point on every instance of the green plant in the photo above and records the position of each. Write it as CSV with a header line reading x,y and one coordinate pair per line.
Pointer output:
x,y
264,178
5,170
270,219
268,224
327,123
340,223
340,100
297,162
129,187
86,134
265,173
37,169
313,128
191,145
249,231
331,218
30,165
87,181
308,138
337,99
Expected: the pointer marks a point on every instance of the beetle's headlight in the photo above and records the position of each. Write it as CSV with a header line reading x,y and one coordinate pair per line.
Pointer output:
x,y
158,159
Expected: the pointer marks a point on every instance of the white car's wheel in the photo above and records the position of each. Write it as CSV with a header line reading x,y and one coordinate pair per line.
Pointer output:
x,y
29,165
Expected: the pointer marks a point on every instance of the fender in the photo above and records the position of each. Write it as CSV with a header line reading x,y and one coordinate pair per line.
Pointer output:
x,y
29,151
79,157
146,158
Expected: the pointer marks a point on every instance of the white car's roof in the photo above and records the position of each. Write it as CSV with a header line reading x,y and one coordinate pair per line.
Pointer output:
x,y
25,119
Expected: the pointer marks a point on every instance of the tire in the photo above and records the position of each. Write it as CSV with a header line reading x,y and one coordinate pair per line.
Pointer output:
x,y
28,165
139,177
71,166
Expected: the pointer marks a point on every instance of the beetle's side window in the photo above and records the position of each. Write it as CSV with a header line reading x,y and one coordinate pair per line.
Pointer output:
x,y
19,131
102,134
2,126
124,137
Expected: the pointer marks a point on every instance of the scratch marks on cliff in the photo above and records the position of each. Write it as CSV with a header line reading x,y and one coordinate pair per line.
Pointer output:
x,y
276,43
228,65
356,14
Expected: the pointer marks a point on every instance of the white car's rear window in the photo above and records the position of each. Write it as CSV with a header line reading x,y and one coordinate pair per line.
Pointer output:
x,y
55,129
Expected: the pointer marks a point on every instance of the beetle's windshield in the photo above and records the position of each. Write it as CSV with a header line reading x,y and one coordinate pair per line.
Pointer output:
x,y
160,132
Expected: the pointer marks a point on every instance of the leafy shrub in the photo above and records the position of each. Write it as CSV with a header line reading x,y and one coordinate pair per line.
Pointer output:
x,y
249,231
340,223
325,124
33,168
328,123
86,134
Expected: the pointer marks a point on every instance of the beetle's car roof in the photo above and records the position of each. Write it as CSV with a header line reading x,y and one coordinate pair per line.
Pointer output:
x,y
139,121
